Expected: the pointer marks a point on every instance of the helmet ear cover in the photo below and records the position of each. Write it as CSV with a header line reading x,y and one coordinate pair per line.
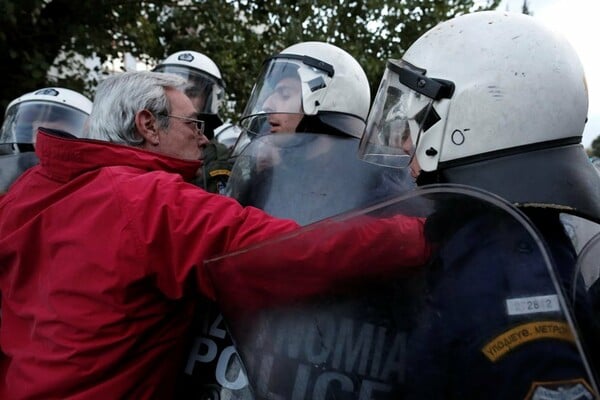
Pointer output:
x,y
331,123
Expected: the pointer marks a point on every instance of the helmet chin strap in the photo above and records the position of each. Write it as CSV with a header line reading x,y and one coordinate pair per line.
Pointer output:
x,y
429,178
314,124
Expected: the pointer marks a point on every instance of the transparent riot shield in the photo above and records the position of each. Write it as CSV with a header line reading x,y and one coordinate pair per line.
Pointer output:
x,y
586,294
579,229
212,369
302,176
337,311
588,265
308,177
13,165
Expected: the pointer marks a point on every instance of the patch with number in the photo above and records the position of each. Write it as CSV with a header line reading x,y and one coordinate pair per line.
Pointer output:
x,y
525,333
576,389
532,305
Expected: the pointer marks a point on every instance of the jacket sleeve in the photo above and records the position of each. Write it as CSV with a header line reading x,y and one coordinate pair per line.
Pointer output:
x,y
325,256
182,226
179,226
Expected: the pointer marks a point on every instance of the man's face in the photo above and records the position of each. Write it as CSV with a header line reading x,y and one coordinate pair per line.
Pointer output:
x,y
285,106
181,139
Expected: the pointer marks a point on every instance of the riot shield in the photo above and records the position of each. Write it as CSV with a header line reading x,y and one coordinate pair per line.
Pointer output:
x,y
319,313
212,369
308,177
588,263
579,229
585,294
305,177
587,287
13,165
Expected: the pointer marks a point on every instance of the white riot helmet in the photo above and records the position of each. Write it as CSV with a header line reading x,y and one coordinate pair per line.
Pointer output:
x,y
53,107
319,84
207,89
490,99
227,134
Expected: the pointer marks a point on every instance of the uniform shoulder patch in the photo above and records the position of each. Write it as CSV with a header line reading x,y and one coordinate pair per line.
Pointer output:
x,y
576,389
525,333
219,172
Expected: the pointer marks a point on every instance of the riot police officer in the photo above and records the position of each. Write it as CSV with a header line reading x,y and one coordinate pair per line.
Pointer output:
x,y
495,101
52,107
300,132
207,92
295,158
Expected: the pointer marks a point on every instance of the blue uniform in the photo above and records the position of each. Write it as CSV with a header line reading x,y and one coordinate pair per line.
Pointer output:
x,y
492,326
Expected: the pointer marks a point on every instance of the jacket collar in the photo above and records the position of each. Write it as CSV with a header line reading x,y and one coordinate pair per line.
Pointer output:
x,y
65,157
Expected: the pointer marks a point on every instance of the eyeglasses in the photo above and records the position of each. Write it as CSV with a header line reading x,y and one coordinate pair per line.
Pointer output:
x,y
198,123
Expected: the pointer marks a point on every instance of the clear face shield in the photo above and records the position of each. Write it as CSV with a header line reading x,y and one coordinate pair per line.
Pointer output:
x,y
23,120
402,112
278,101
206,92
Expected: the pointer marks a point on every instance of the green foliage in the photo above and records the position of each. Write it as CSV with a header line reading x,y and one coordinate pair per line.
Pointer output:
x,y
237,34
38,34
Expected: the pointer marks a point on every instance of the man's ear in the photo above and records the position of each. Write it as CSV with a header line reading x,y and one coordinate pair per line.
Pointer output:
x,y
147,127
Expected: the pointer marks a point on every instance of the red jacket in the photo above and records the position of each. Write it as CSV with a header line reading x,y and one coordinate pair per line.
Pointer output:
x,y
101,253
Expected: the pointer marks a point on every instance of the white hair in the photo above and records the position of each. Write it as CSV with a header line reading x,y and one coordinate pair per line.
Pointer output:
x,y
118,99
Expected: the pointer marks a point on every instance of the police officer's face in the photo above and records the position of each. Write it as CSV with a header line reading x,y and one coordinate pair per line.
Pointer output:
x,y
285,106
198,103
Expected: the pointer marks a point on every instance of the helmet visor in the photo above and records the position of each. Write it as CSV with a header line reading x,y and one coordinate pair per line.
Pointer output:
x,y
278,89
205,91
402,112
23,120
276,102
